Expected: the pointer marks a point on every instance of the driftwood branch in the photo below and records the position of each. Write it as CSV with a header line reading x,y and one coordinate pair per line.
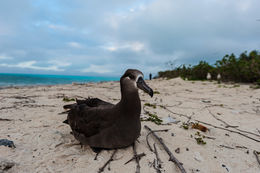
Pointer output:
x,y
149,146
5,119
256,155
157,163
157,156
172,158
217,127
242,134
248,132
155,166
228,125
110,160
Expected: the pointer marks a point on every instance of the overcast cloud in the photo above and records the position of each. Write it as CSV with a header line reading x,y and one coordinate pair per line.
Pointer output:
x,y
106,37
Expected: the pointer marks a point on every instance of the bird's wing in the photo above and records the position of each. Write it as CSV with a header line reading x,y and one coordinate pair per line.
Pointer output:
x,y
91,102
94,102
88,120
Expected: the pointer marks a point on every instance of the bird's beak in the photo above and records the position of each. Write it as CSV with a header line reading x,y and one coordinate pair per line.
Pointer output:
x,y
143,86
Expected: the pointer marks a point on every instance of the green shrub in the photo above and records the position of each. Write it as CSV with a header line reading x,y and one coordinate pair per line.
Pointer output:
x,y
245,68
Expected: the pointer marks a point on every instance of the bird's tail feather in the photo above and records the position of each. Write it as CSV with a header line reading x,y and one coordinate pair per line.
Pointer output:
x,y
70,106
66,121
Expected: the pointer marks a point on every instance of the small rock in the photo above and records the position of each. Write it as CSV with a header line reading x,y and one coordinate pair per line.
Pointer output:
x,y
172,134
177,150
224,166
5,164
247,152
187,149
7,143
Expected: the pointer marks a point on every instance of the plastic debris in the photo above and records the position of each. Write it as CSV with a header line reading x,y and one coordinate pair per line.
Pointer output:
x,y
198,157
169,120
199,127
7,143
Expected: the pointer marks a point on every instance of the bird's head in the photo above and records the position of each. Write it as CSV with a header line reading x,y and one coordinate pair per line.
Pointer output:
x,y
135,78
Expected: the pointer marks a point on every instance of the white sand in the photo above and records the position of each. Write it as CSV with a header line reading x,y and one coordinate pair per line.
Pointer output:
x,y
44,143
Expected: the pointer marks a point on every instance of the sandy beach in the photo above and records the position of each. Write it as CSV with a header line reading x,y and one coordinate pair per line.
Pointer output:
x,y
30,117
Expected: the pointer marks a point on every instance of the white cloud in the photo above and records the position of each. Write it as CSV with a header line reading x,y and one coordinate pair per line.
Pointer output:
x,y
59,63
142,34
74,44
243,5
97,69
133,46
31,65
5,57
59,27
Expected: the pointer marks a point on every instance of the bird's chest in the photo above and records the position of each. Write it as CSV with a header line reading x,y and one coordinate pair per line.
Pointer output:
x,y
129,126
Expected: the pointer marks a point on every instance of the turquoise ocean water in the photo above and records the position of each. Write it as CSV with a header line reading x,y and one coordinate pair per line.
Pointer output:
x,y
35,79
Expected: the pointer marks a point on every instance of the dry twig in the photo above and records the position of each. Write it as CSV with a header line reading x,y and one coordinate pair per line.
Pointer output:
x,y
139,156
157,163
5,119
172,157
226,124
137,159
256,155
226,146
110,160
258,131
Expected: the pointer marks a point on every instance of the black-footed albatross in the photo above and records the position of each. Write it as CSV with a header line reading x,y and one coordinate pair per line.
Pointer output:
x,y
103,125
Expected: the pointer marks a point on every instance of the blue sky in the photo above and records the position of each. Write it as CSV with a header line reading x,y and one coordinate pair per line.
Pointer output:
x,y
84,37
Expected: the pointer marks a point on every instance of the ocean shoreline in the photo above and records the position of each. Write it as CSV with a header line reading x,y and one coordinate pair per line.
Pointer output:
x,y
11,80
50,85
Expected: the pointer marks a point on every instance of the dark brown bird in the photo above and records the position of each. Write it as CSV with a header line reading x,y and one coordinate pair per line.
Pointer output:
x,y
100,124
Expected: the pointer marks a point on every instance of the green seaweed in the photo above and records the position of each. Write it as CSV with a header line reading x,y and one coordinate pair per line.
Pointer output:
x,y
150,105
161,106
185,126
255,87
156,92
197,133
236,85
67,99
200,141
153,118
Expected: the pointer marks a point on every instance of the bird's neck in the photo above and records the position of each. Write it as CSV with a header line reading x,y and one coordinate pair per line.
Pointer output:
x,y
130,100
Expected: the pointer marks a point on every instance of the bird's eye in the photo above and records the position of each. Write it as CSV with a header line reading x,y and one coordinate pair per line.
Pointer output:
x,y
131,77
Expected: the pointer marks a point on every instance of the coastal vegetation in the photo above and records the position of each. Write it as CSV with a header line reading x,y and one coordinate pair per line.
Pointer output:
x,y
245,68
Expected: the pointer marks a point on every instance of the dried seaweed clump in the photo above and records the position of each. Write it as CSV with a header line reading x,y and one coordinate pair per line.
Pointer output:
x,y
153,118
200,140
